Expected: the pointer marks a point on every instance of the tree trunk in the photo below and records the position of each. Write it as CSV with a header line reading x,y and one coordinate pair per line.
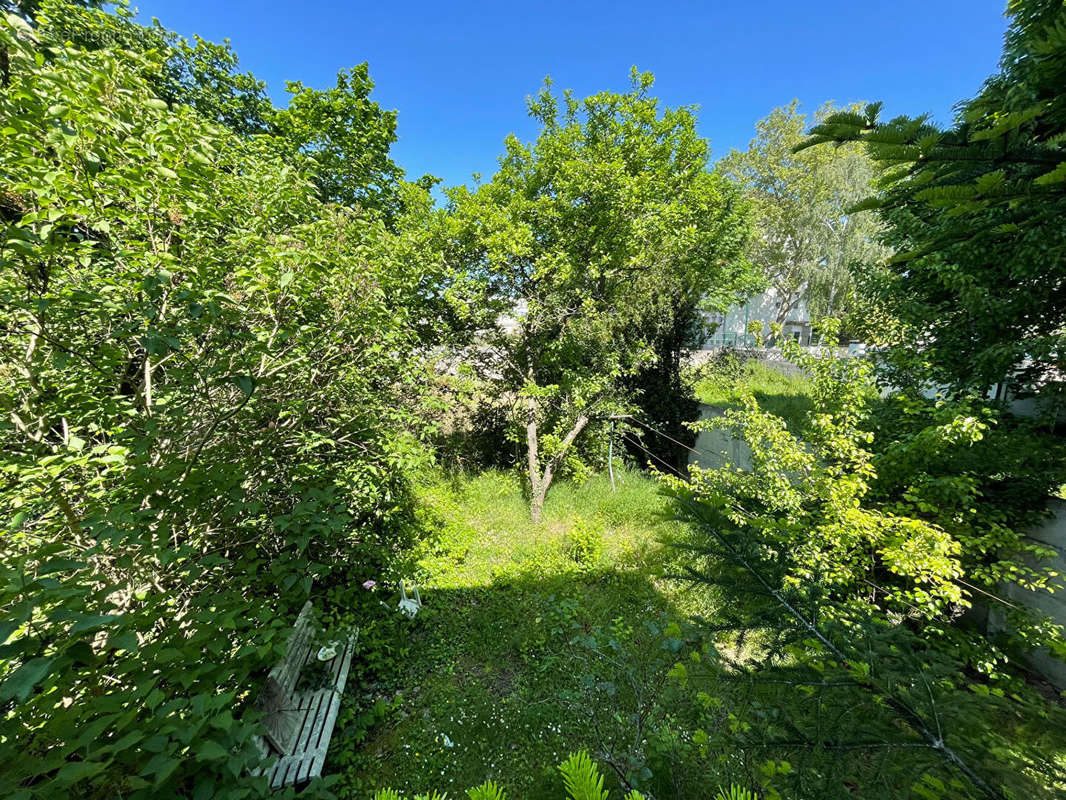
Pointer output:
x,y
789,302
539,482
535,494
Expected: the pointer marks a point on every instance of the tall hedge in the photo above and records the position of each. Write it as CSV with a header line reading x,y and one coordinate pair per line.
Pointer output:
x,y
202,380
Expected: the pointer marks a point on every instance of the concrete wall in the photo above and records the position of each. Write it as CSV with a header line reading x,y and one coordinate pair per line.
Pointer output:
x,y
718,448
1052,532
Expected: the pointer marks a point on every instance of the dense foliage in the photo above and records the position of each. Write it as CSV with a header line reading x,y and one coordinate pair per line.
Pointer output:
x,y
849,571
592,237
974,213
338,137
203,381
231,334
984,477
807,238
807,499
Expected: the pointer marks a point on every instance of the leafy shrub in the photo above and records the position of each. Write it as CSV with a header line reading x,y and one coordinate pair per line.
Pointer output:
x,y
985,478
806,499
584,544
204,413
981,475
725,366
835,591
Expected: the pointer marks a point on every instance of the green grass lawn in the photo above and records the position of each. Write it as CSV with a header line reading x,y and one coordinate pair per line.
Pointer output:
x,y
536,642
540,641
489,686
786,396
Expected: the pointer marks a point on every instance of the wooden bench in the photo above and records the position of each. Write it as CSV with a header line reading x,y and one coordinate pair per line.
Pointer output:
x,y
299,722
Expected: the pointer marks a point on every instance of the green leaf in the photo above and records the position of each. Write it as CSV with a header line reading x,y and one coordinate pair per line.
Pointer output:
x,y
211,750
582,778
1057,175
9,626
245,383
81,652
71,773
89,621
59,565
487,791
20,683
124,641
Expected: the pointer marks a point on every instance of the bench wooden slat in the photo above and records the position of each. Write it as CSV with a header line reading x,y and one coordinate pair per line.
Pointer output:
x,y
322,729
296,766
302,722
287,672
317,704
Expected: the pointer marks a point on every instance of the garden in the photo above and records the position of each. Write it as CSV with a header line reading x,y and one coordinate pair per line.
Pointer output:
x,y
253,374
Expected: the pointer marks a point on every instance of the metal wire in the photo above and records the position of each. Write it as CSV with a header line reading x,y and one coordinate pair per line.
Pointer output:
x,y
637,444
665,436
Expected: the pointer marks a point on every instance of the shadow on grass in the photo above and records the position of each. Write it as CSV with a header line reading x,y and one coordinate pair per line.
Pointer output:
x,y
492,684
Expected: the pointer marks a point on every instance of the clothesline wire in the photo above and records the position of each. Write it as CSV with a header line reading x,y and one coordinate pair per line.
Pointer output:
x,y
664,435
637,444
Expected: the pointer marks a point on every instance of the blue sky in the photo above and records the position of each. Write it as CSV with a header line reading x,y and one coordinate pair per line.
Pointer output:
x,y
459,72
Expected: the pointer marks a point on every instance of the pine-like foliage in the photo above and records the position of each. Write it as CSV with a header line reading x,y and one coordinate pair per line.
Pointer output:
x,y
489,790
582,780
975,214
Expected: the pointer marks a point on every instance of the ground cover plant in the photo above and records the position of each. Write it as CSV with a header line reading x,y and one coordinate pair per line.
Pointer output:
x,y
491,687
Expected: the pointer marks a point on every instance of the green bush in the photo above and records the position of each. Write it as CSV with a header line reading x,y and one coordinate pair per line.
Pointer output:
x,y
204,405
842,583
584,544
985,478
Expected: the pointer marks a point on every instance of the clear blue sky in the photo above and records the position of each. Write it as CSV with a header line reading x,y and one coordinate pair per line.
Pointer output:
x,y
459,72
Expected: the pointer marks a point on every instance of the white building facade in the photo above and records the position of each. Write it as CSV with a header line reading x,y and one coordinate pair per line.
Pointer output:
x,y
731,327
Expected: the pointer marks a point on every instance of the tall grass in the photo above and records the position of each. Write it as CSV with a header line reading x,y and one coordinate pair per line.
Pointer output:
x,y
787,396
